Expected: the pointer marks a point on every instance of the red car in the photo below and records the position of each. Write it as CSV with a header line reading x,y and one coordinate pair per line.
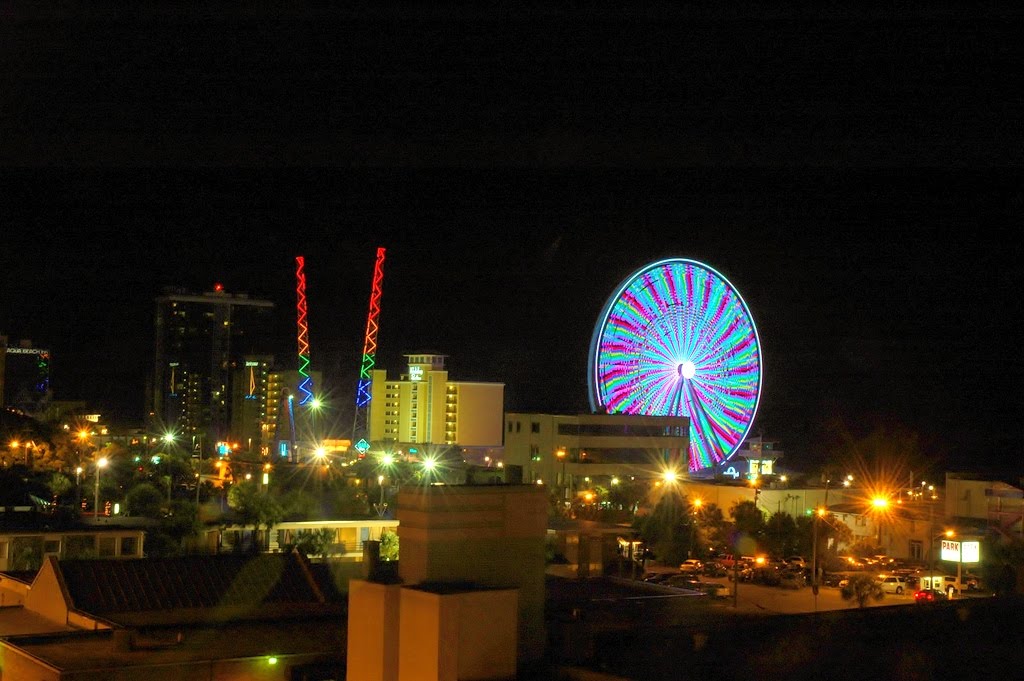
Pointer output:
x,y
929,596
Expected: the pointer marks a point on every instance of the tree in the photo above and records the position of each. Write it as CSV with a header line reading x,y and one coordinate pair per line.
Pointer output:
x,y
862,588
59,485
315,542
780,535
144,500
298,504
712,526
388,546
748,520
253,506
668,529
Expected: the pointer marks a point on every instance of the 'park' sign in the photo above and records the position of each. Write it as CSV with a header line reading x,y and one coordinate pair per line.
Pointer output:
x,y
951,550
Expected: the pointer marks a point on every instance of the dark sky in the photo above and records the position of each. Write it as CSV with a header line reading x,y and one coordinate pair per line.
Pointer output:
x,y
855,173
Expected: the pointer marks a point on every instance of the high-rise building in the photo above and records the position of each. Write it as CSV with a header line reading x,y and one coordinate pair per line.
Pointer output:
x,y
24,376
424,407
285,420
200,384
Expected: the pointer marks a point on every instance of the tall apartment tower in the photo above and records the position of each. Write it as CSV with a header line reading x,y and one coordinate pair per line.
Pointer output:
x,y
24,376
203,342
424,407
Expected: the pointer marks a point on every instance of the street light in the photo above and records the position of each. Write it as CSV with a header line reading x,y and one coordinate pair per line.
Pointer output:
x,y
561,455
697,503
78,485
948,534
101,463
168,439
818,515
879,505
736,551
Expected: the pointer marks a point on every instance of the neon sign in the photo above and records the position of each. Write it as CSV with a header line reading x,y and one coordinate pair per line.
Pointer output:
x,y
415,373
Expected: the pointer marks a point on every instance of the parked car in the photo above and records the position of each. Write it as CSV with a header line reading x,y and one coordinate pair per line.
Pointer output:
x,y
832,578
892,584
797,562
792,579
657,577
685,581
929,596
692,565
714,569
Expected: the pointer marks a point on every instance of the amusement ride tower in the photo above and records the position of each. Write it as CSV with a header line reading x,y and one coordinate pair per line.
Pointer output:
x,y
359,425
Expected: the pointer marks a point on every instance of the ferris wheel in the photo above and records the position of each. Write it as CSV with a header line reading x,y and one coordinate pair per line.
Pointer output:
x,y
676,339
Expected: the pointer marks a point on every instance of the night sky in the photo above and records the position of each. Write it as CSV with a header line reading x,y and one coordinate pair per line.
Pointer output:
x,y
854,173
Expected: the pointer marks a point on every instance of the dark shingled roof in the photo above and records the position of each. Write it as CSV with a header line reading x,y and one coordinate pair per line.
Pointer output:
x,y
104,587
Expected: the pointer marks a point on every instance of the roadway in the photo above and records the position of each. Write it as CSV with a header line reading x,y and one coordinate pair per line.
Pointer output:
x,y
777,600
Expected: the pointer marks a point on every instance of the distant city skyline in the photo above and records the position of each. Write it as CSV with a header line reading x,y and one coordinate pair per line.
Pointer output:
x,y
854,173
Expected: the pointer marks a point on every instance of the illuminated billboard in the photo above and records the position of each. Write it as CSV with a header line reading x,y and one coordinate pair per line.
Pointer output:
x,y
951,551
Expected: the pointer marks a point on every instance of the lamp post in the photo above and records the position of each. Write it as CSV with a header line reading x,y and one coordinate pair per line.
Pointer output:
x,y
100,463
880,505
168,439
78,485
561,455
697,503
948,534
818,515
736,552
199,466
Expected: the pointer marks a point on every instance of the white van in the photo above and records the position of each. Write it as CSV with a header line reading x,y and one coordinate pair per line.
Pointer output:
x,y
892,584
940,582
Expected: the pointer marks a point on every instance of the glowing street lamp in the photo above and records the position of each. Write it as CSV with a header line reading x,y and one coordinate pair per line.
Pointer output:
x,y
819,513
101,463
561,455
697,503
880,505
78,484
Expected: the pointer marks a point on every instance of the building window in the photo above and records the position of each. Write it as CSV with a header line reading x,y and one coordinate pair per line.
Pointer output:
x,y
916,550
107,545
129,546
534,427
510,426
51,546
517,426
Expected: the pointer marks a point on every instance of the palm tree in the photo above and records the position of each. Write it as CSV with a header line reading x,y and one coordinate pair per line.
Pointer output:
x,y
862,588
59,485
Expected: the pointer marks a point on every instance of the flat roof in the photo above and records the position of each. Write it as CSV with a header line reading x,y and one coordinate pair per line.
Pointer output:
x,y
77,651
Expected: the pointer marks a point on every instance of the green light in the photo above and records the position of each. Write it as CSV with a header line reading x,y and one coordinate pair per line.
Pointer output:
x,y
271,660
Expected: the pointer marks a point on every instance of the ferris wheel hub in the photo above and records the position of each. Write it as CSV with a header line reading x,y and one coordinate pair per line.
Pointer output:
x,y
687,369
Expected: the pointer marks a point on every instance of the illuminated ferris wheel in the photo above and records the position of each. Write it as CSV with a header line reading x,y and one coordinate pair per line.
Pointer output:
x,y
676,339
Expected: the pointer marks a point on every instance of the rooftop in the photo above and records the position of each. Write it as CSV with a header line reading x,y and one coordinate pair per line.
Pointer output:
x,y
198,588
161,646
